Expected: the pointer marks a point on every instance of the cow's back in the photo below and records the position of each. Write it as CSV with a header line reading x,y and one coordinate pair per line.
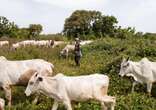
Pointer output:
x,y
148,69
85,86
38,64
12,71
94,78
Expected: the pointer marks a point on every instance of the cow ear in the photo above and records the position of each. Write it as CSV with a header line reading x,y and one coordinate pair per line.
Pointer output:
x,y
40,79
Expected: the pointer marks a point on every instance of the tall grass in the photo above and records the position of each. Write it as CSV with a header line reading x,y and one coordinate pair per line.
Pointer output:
x,y
103,56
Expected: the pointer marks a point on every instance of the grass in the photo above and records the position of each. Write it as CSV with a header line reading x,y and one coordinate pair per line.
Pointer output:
x,y
103,56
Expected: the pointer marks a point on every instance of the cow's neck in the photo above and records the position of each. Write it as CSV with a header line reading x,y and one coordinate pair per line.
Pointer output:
x,y
136,70
49,88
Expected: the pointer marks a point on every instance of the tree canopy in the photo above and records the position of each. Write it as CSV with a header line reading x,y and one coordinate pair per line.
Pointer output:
x,y
7,28
83,22
10,29
34,30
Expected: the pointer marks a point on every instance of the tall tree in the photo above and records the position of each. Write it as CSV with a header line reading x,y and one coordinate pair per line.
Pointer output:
x,y
109,24
7,28
23,33
34,30
124,33
80,22
104,25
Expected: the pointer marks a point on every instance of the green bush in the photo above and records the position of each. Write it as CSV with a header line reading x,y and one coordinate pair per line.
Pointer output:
x,y
102,56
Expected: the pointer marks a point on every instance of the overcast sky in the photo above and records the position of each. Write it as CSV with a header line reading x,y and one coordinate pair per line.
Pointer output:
x,y
51,14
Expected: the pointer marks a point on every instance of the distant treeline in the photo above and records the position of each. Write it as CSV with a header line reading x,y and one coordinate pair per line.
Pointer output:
x,y
82,23
11,30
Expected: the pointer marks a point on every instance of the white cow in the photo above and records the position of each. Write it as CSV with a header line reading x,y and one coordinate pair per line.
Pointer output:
x,y
57,43
23,44
19,72
65,51
77,88
85,42
143,71
47,43
16,46
2,43
42,43
27,43
2,104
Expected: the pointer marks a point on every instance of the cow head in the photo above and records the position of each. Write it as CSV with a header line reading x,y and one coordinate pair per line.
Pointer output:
x,y
61,52
33,84
125,67
64,53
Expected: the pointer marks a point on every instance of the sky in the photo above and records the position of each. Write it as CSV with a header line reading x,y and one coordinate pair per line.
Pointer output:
x,y
51,14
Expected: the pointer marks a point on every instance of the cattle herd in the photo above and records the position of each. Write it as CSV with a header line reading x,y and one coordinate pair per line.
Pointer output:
x,y
37,75
46,43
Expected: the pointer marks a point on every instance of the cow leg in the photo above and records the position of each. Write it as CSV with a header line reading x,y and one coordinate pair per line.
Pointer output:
x,y
103,106
133,86
55,105
67,104
7,91
66,55
109,101
149,87
35,100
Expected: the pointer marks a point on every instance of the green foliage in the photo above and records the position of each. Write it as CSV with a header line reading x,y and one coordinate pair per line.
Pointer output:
x,y
102,56
11,30
7,28
83,23
79,22
147,51
23,33
34,30
135,101
151,36
105,26
125,33
57,37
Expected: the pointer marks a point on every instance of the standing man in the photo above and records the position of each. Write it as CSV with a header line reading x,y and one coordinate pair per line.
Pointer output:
x,y
77,52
